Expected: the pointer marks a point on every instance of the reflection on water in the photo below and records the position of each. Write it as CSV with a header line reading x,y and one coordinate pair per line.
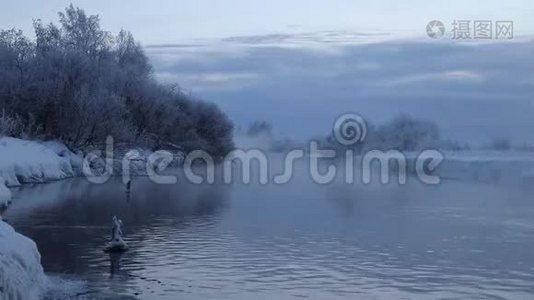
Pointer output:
x,y
115,265
456,240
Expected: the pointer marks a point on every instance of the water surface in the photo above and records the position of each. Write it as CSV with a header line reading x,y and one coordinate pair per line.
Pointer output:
x,y
458,240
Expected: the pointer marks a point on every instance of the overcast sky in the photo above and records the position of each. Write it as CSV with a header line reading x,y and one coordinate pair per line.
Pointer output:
x,y
300,63
171,21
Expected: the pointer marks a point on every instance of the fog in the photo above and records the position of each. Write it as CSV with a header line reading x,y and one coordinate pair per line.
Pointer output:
x,y
475,92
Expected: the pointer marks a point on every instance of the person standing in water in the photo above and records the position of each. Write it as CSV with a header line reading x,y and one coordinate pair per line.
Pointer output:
x,y
128,186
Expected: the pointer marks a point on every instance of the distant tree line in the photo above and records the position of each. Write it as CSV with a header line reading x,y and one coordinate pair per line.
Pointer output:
x,y
78,83
402,133
260,128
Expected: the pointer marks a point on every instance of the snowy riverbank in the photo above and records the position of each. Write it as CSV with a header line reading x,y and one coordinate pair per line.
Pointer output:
x,y
21,161
21,273
24,161
492,167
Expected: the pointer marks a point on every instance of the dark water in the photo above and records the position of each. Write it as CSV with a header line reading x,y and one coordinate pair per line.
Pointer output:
x,y
457,240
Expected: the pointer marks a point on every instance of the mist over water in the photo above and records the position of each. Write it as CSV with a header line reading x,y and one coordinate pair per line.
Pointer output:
x,y
459,239
429,101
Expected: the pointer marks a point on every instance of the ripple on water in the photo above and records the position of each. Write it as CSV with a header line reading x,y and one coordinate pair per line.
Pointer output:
x,y
326,243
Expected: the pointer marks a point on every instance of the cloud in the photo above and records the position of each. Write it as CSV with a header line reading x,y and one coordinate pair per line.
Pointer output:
x,y
326,42
208,80
459,76
260,77
309,38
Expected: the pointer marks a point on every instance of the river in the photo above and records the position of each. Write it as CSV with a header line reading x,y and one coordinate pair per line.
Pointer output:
x,y
298,240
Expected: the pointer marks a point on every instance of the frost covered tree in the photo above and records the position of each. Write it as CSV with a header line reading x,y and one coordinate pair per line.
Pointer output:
x,y
500,144
260,128
79,83
405,133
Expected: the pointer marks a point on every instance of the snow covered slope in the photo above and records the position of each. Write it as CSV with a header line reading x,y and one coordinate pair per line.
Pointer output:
x,y
21,274
24,161
21,161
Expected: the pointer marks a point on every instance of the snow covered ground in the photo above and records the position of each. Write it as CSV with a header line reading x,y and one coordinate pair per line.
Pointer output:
x,y
493,167
24,161
21,273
